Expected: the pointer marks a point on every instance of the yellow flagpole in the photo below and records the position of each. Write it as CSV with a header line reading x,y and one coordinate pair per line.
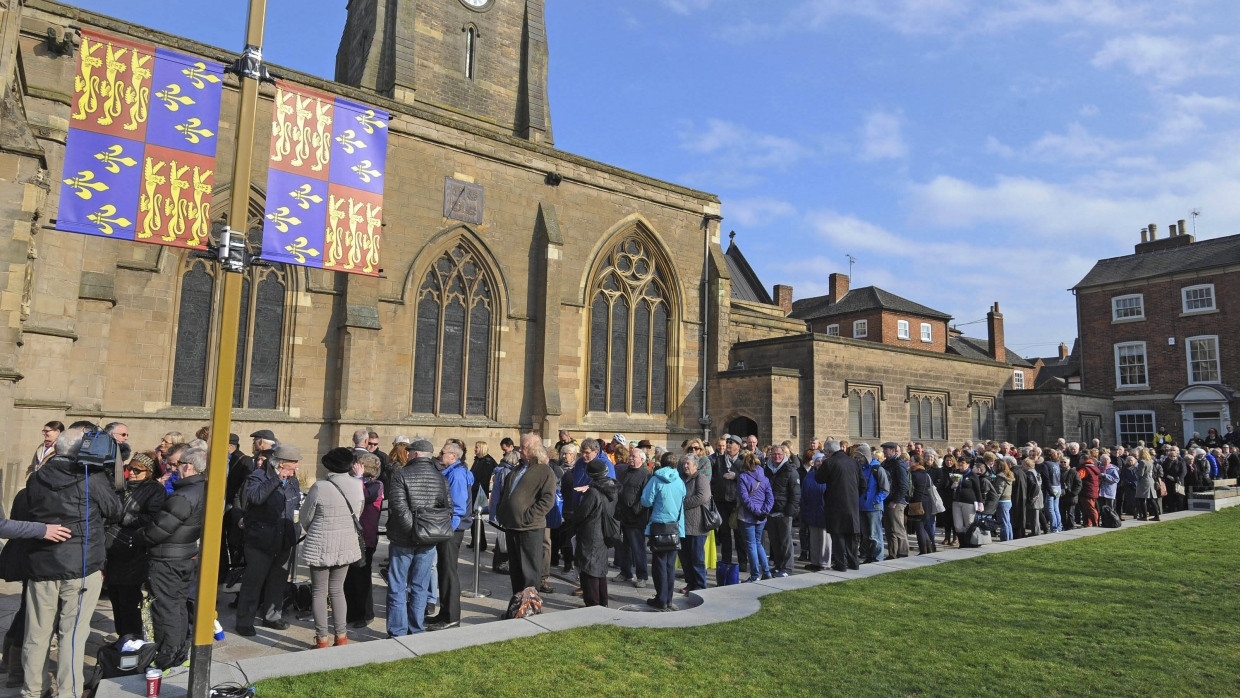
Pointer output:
x,y
226,360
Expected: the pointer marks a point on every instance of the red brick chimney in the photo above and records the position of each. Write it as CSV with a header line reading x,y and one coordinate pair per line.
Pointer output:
x,y
838,287
783,297
994,334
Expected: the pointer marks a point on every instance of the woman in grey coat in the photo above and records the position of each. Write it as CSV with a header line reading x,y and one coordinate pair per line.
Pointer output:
x,y
1147,489
693,545
331,541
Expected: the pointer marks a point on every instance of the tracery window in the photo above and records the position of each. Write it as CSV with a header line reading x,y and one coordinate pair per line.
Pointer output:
x,y
863,412
983,419
260,335
452,344
927,417
630,322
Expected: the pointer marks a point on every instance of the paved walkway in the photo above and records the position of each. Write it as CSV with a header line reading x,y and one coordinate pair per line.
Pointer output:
x,y
241,660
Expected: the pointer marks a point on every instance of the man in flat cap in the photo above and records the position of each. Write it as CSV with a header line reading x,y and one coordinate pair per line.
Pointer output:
x,y
271,497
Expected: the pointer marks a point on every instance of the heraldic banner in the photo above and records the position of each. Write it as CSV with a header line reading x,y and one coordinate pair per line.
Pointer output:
x,y
325,183
140,157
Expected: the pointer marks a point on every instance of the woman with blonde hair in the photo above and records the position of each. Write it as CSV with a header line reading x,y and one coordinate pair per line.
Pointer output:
x,y
1003,481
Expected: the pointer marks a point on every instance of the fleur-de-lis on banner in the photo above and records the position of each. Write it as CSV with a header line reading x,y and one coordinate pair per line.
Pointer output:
x,y
300,249
349,142
85,185
282,220
369,122
105,220
193,132
112,160
303,196
172,97
197,74
365,171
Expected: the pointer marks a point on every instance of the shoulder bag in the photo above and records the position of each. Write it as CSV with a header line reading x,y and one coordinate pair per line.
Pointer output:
x,y
665,537
711,518
357,526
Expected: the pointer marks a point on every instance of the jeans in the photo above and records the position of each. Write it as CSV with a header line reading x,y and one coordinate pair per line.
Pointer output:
x,y
752,535
409,577
1052,507
635,553
693,561
1005,519
872,536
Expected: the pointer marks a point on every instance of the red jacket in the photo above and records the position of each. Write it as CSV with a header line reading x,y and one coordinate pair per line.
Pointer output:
x,y
1089,480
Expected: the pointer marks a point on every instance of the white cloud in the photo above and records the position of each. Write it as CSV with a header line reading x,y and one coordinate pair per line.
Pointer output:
x,y
995,147
685,7
1075,145
1168,60
756,211
882,137
1088,111
739,144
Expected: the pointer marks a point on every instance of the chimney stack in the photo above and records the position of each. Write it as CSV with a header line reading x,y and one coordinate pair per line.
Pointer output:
x,y
1145,235
1171,231
783,298
1063,351
1182,229
838,287
994,332
1153,232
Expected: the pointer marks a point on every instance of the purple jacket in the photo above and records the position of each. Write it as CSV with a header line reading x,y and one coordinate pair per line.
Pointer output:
x,y
755,496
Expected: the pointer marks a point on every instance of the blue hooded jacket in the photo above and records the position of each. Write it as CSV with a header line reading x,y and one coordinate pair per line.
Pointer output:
x,y
877,485
572,498
460,480
665,496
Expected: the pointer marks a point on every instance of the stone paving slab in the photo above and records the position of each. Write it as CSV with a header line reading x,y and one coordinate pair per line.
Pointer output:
x,y
718,604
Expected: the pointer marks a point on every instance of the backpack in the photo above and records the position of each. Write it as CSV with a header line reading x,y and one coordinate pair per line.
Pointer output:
x,y
1108,518
555,517
612,537
523,604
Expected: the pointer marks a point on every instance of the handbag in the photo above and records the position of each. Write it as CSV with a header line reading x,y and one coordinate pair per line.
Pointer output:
x,y
711,518
1162,488
357,526
431,526
936,502
916,509
665,537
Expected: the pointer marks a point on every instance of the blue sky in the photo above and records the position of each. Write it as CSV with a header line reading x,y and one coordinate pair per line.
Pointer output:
x,y
964,151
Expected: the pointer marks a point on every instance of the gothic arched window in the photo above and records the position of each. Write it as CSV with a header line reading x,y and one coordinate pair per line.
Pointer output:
x,y
630,322
452,343
863,413
927,418
260,336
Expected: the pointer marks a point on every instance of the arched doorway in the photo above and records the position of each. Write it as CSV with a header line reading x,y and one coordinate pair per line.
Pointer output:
x,y
743,426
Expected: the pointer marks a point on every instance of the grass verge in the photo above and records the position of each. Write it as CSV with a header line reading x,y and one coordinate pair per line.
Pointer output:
x,y
1148,611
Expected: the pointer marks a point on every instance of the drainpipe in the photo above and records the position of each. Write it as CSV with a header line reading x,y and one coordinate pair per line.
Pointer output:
x,y
709,223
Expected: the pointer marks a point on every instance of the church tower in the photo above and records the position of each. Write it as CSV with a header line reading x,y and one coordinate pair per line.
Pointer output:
x,y
484,60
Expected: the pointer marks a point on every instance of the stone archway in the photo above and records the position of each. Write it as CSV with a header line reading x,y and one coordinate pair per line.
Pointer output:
x,y
743,426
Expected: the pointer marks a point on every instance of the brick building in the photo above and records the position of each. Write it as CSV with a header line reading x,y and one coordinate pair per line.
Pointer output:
x,y
583,280
1158,333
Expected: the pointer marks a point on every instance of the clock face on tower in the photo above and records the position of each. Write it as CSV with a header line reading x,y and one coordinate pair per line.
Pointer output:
x,y
478,5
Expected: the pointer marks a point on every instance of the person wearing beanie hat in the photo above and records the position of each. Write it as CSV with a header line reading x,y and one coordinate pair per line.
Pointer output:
x,y
873,499
328,517
598,499
127,565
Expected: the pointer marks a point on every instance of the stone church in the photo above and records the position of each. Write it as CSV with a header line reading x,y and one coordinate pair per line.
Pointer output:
x,y
573,295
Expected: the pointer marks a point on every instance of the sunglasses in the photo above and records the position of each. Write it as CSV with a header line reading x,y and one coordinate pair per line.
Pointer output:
x,y
695,448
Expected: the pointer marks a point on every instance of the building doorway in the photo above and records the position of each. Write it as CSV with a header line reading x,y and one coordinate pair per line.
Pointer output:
x,y
742,427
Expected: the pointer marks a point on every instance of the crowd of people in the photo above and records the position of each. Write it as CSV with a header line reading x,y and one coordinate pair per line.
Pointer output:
x,y
96,513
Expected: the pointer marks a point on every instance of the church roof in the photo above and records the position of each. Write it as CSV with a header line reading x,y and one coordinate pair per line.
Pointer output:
x,y
858,300
1202,254
746,286
975,348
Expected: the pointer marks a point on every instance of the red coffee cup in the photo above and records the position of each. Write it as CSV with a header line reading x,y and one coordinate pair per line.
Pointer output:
x,y
153,678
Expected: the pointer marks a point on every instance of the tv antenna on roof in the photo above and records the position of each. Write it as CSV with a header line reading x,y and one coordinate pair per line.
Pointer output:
x,y
852,260
1194,213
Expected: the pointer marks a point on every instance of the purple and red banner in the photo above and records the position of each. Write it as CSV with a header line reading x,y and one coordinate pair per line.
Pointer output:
x,y
325,183
140,156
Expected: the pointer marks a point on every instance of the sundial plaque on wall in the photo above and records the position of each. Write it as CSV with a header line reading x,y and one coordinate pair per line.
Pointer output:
x,y
462,200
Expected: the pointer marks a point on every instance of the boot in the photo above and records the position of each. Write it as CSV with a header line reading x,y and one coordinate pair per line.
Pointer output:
x,y
321,643
342,640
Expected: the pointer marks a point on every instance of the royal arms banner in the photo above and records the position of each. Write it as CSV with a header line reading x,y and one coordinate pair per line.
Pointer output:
x,y
325,183
140,156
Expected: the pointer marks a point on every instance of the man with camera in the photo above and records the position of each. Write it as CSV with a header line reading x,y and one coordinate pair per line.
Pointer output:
x,y
271,498
65,578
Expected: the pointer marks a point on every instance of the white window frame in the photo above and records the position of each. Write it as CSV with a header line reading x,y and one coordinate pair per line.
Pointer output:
x,y
1018,380
1218,361
1115,301
1119,434
833,330
902,330
1145,358
927,332
1184,299
861,329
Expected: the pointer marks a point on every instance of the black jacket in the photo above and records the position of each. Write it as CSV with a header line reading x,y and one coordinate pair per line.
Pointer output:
x,y
239,468
897,472
1071,483
56,493
845,482
786,486
270,506
484,467
127,549
722,489
629,510
419,485
174,533
586,523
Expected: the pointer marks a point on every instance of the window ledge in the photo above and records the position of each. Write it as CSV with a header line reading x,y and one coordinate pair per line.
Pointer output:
x,y
927,341
1190,313
1131,388
1125,320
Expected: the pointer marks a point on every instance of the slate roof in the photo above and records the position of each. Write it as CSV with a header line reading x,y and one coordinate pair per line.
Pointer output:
x,y
1202,254
975,348
1059,370
746,285
858,300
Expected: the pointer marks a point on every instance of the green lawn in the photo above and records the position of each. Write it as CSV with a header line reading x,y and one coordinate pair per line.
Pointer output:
x,y
1153,611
